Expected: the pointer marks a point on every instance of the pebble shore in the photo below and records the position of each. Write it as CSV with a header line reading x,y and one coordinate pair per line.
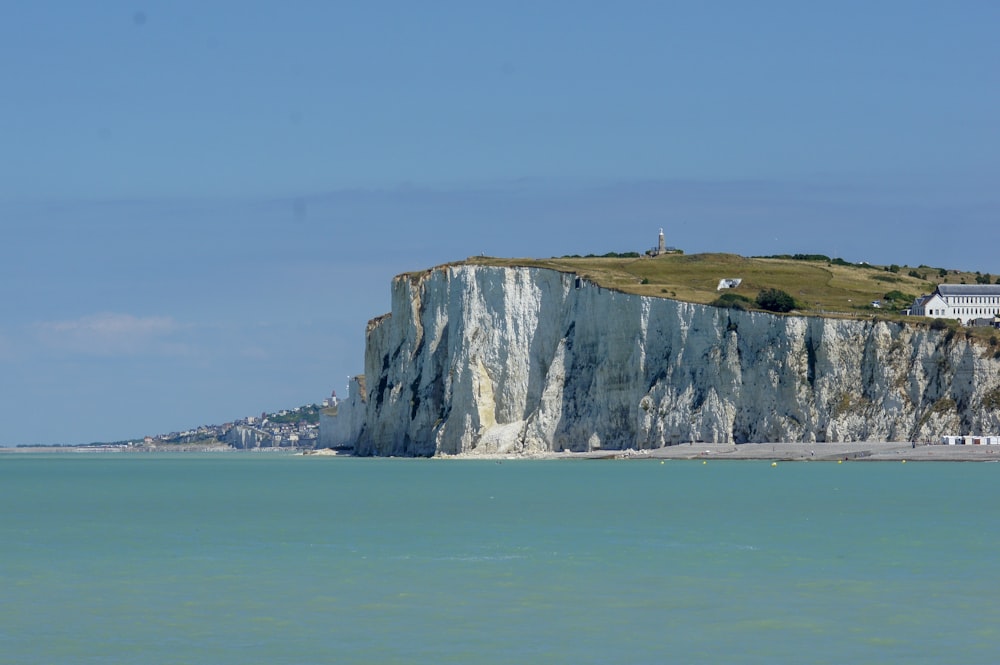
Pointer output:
x,y
800,452
790,452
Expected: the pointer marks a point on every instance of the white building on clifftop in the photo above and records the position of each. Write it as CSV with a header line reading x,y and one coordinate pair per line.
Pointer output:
x,y
965,302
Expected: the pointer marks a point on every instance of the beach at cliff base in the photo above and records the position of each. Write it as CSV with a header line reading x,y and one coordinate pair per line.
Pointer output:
x,y
872,451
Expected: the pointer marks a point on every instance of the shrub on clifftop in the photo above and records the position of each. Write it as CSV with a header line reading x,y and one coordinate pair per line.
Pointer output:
x,y
732,301
775,300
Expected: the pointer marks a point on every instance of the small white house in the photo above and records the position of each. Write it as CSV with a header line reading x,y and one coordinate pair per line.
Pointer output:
x,y
729,283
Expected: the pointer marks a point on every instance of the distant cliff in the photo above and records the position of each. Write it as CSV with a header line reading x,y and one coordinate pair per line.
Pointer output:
x,y
521,360
341,426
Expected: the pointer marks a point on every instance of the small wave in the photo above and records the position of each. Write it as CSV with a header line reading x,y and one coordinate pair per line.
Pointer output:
x,y
483,557
463,558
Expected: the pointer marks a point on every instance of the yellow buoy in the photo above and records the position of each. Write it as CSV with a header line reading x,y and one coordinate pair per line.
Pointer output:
x,y
661,461
704,462
904,461
774,464
840,461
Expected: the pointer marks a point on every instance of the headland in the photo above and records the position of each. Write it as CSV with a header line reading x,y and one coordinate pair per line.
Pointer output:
x,y
601,356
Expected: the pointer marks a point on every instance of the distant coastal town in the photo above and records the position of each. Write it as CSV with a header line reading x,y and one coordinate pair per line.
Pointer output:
x,y
284,430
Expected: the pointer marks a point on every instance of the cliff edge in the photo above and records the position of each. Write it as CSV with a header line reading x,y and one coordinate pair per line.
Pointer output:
x,y
522,360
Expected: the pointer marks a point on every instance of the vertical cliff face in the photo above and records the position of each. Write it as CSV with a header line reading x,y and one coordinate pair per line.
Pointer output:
x,y
521,360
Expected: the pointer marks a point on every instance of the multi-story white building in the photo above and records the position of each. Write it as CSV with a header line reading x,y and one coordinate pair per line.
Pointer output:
x,y
964,302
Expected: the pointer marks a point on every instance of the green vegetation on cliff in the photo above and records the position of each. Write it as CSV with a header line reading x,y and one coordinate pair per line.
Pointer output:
x,y
304,414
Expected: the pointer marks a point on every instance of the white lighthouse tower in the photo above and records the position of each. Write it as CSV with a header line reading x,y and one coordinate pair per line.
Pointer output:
x,y
661,247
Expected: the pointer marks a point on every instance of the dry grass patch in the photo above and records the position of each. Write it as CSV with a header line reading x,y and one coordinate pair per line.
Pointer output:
x,y
816,286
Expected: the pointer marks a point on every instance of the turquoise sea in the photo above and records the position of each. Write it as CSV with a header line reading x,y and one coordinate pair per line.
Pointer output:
x,y
244,558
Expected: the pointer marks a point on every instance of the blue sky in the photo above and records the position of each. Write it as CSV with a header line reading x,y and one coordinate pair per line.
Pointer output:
x,y
202,204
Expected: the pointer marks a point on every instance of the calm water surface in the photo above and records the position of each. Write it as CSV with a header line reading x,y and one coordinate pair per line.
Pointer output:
x,y
247,558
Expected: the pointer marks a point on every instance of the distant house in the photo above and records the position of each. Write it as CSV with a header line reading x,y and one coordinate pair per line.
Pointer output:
x,y
965,302
731,283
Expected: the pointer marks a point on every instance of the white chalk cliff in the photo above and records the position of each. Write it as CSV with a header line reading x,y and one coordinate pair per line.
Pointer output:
x,y
476,359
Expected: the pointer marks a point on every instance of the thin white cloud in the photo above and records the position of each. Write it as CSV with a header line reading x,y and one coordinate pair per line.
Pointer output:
x,y
112,334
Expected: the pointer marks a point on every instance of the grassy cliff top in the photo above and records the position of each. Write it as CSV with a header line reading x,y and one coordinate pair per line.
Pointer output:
x,y
819,285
